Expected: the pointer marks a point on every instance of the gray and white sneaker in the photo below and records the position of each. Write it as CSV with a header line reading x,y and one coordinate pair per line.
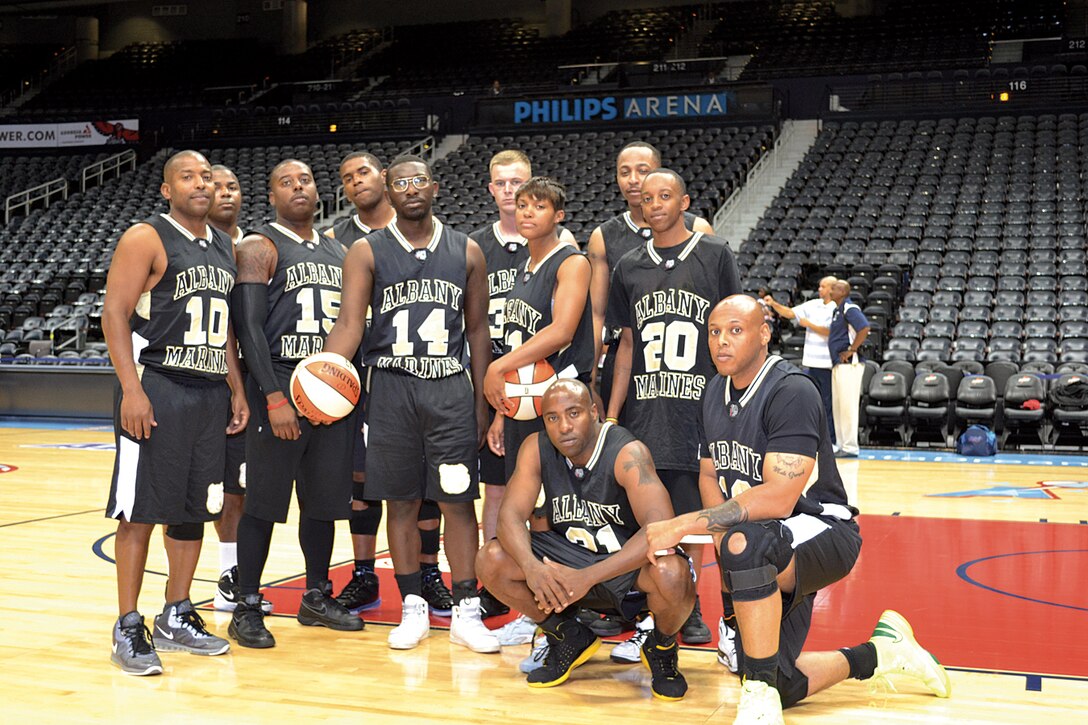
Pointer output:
x,y
133,650
535,660
180,629
518,631
727,646
629,652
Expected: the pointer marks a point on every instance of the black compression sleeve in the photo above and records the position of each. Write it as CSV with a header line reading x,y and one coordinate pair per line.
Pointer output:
x,y
249,305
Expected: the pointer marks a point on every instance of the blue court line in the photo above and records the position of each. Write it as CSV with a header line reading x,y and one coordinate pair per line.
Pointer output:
x,y
961,572
1012,459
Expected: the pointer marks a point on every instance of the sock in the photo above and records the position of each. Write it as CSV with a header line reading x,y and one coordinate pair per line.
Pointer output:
x,y
764,669
862,660
428,565
316,538
663,640
254,538
228,556
410,584
363,565
464,589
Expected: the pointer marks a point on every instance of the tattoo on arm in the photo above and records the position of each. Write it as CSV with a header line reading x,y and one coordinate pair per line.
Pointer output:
x,y
720,518
639,459
255,262
789,465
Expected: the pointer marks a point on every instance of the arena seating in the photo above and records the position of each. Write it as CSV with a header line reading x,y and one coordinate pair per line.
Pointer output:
x,y
713,160
18,63
26,171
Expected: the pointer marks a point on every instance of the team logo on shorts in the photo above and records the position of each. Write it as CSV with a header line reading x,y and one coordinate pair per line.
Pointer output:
x,y
215,497
734,410
453,478
242,475
421,255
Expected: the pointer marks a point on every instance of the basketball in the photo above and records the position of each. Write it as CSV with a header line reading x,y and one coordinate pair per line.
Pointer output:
x,y
325,387
525,388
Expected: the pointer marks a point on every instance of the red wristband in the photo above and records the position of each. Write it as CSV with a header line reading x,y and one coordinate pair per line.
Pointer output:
x,y
280,404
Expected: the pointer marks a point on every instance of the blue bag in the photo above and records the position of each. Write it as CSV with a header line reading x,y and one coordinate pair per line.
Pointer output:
x,y
977,440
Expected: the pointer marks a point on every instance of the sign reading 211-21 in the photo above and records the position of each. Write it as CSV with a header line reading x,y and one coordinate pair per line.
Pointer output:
x,y
608,108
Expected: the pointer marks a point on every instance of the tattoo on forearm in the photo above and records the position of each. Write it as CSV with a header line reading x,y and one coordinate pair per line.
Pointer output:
x,y
720,518
639,459
255,261
789,465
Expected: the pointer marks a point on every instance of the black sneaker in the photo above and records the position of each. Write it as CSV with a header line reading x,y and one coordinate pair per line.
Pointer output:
x,y
666,681
490,606
319,608
570,646
227,595
247,627
695,630
611,625
438,596
361,592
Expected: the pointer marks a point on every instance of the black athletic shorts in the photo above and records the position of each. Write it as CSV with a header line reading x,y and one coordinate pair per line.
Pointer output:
x,y
492,467
683,488
422,441
820,561
317,466
610,596
176,475
358,460
234,473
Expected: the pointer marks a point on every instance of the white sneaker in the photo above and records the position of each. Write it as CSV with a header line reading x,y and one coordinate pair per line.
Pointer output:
x,y
759,705
468,629
727,646
898,653
518,631
415,624
629,652
535,660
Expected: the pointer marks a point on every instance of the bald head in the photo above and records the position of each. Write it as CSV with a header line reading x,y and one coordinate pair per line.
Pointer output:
x,y
840,290
739,307
737,334
576,389
825,287
570,419
178,160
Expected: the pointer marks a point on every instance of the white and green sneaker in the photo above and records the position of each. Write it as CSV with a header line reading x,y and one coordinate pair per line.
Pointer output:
x,y
759,704
898,653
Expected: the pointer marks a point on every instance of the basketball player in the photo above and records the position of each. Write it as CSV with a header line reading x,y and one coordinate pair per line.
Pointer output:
x,y
778,512
167,324
599,488
223,215
363,178
505,251
547,314
619,235
287,297
660,295
426,288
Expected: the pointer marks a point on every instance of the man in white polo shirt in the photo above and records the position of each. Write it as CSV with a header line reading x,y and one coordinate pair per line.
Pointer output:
x,y
815,316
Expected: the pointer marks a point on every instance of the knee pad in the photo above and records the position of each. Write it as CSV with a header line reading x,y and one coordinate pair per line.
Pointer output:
x,y
429,541
366,521
185,532
429,510
752,574
792,688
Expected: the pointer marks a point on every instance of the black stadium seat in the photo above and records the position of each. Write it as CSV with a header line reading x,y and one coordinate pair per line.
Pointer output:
x,y
929,408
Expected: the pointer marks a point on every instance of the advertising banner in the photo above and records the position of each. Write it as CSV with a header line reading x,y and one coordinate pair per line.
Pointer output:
x,y
69,134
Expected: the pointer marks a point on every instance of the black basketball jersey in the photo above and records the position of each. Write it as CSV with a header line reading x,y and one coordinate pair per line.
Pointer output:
x,y
303,295
587,505
417,305
736,437
621,235
350,230
529,308
664,296
504,258
179,326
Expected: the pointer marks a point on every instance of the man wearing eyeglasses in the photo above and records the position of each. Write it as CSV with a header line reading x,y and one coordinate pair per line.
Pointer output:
x,y
426,287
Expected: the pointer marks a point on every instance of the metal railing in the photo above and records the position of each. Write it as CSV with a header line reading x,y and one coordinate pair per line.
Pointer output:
x,y
742,194
46,193
108,168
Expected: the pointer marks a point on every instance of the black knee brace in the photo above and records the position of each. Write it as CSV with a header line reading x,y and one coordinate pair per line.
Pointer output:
x,y
185,532
365,522
429,541
752,574
428,510
358,491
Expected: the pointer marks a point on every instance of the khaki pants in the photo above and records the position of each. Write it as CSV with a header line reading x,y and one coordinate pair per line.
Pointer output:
x,y
846,401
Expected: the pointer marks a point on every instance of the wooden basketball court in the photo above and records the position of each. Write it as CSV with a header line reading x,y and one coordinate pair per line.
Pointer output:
x,y
988,561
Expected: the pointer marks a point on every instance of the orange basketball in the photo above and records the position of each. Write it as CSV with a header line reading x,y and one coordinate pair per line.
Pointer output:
x,y
325,387
524,389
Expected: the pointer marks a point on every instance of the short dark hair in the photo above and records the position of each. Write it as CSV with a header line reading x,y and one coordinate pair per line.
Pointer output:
x,y
643,145
405,159
672,174
374,160
221,167
544,188
280,165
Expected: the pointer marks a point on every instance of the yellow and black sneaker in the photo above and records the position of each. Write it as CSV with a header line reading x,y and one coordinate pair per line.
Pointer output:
x,y
666,680
570,646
